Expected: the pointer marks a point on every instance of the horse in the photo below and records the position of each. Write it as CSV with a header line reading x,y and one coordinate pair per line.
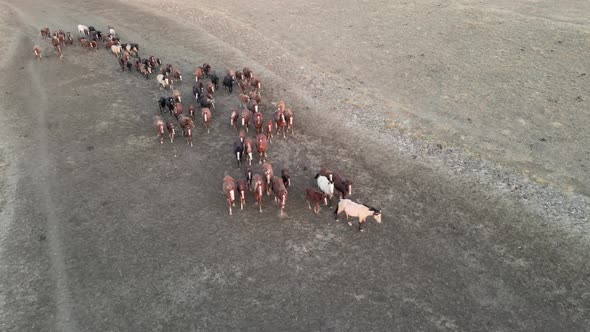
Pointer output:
x,y
242,187
45,33
93,45
245,119
177,75
228,83
257,187
360,211
154,62
326,186
61,39
243,85
187,125
162,104
280,192
342,185
191,111
198,74
268,131
198,89
116,50
206,113
233,118
249,149
258,122
324,171
159,125
145,70
261,147
177,96
69,38
211,88
178,109
132,48
37,51
257,98
229,190
240,76
165,82
214,79
252,105
280,122
256,84
248,174
206,69
82,29
206,101
171,130
59,51
111,31
286,177
268,176
170,104
244,99
54,41
289,119
281,106
248,73
315,196
238,151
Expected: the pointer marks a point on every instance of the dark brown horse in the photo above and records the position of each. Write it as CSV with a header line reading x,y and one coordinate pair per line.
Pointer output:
x,y
261,147
258,188
187,125
248,73
342,185
252,106
206,113
229,190
249,149
286,177
289,119
268,175
258,122
315,196
211,88
248,174
242,187
191,111
280,192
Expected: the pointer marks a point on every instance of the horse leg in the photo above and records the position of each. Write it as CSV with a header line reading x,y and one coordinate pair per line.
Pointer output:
x,y
229,203
308,205
348,221
317,208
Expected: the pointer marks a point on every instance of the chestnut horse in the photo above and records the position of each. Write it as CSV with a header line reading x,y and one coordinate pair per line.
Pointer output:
x,y
242,187
37,51
258,122
268,175
269,131
280,192
191,111
206,113
256,84
211,88
159,125
171,131
280,122
354,209
261,147
229,190
252,106
257,187
233,118
198,74
178,110
187,125
245,118
177,75
243,85
249,149
177,96
315,196
248,73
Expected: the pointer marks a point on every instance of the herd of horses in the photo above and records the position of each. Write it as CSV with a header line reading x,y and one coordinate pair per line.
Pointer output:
x,y
171,112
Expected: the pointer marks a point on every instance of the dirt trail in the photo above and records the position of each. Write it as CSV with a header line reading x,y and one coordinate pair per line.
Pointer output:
x,y
147,243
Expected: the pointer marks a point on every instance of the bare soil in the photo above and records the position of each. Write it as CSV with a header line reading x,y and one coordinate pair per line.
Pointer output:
x,y
103,228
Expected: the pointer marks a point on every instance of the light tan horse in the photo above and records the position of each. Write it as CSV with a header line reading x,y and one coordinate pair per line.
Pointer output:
x,y
360,211
37,51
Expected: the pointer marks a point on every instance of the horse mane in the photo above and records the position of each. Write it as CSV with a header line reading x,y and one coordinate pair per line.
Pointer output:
x,y
372,209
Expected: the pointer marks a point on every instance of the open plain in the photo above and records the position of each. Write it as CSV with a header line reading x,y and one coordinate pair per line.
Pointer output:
x,y
465,122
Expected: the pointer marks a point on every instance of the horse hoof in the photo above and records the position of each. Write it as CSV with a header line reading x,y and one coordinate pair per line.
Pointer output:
x,y
349,224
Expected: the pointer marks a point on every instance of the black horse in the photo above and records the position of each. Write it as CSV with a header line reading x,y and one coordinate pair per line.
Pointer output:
x,y
228,83
239,151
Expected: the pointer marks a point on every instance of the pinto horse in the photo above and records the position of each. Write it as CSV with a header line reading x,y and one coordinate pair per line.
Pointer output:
x,y
280,192
257,186
187,125
268,176
37,51
258,122
315,196
342,185
171,130
206,113
360,211
229,190
280,122
249,149
242,187
159,125
261,147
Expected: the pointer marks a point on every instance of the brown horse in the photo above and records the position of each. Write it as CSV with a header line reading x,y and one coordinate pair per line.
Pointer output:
x,y
252,106
269,131
37,51
258,122
249,149
257,187
45,33
54,41
93,45
171,131
281,106
261,147
280,122
177,96
229,190
233,118
280,192
248,73
315,196
206,69
268,175
211,88
187,125
256,84
70,39
248,174
289,119
206,113
245,119
191,111
244,99
256,97
354,209
61,39
240,76
178,109
242,187
342,185
243,85
198,73
159,125
177,75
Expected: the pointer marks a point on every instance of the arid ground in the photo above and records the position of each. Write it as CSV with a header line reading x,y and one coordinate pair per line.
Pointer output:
x,y
465,122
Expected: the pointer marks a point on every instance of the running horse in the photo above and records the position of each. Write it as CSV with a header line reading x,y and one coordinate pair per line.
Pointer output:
x,y
37,51
191,111
187,125
171,130
245,118
257,188
278,188
233,118
268,176
289,119
238,150
45,33
361,211
178,109
229,190
206,113
159,125
258,122
248,174
280,122
261,147
242,187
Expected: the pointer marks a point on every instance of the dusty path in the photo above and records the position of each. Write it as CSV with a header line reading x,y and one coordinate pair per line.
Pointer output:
x,y
109,230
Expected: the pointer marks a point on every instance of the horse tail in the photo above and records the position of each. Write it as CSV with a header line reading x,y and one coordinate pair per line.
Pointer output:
x,y
336,211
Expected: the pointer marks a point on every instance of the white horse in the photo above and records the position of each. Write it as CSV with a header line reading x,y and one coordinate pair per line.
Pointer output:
x,y
360,211
326,186
82,29
116,49
112,31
